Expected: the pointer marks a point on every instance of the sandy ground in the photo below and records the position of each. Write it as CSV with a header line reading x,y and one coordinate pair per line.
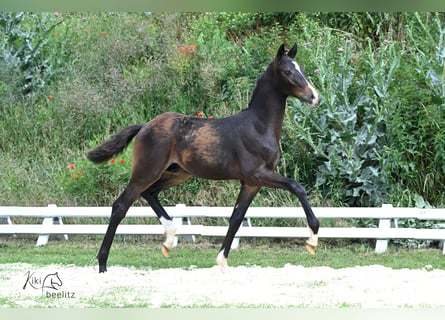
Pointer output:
x,y
290,286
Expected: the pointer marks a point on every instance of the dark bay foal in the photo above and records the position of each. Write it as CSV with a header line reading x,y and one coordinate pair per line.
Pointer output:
x,y
172,148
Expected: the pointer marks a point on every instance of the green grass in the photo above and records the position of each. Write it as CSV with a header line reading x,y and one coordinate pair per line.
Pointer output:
x,y
144,255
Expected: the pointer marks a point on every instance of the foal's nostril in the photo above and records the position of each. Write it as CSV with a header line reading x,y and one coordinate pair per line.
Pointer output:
x,y
314,98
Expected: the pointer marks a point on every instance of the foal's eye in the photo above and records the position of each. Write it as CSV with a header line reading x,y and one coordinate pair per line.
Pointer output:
x,y
287,73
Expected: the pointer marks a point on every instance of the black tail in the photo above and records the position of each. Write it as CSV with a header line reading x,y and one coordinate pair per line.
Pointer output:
x,y
115,145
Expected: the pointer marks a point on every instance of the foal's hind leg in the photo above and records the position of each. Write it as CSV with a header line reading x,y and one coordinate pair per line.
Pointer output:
x,y
169,226
173,176
140,181
119,210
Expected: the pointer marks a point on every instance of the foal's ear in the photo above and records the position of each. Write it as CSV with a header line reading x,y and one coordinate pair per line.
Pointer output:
x,y
293,51
280,52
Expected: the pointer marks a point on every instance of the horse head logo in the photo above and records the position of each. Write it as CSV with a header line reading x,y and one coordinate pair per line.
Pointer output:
x,y
52,281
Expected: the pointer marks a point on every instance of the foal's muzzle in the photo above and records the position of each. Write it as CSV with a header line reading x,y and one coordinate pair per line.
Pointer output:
x,y
310,96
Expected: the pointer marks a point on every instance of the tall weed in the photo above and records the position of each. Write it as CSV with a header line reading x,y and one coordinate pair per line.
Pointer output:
x,y
346,133
415,154
31,50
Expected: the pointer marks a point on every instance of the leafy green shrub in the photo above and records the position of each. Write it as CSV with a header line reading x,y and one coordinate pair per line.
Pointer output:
x,y
378,134
416,130
346,132
30,49
365,25
82,179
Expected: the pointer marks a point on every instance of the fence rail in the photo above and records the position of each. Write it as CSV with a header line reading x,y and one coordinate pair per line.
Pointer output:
x,y
387,215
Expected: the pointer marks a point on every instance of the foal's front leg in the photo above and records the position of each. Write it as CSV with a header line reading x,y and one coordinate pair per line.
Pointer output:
x,y
245,197
274,180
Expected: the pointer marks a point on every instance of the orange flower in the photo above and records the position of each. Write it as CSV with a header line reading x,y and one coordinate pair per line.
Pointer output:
x,y
50,97
75,176
71,166
191,48
121,161
104,33
200,114
211,116
112,161
56,33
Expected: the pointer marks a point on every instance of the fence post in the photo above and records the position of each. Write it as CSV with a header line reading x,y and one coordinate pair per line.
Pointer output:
x,y
183,221
43,238
236,240
382,245
5,220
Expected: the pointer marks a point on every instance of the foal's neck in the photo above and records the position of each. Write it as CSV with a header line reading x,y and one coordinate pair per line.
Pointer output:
x,y
268,103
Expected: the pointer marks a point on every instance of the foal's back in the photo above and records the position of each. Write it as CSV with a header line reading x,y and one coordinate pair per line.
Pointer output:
x,y
219,149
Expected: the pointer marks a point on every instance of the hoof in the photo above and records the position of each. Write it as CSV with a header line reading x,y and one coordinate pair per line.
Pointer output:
x,y
223,266
310,248
222,262
165,251
102,264
312,242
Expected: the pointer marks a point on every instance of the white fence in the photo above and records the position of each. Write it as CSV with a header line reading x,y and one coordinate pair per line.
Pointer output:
x,y
52,223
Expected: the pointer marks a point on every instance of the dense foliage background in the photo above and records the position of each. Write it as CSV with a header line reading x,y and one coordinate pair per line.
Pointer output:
x,y
70,80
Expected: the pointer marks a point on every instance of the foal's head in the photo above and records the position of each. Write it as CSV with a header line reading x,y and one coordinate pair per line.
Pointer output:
x,y
290,76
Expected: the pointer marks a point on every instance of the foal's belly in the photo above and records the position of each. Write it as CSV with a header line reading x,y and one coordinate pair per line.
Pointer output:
x,y
208,165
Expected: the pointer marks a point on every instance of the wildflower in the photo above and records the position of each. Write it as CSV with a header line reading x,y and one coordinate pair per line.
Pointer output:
x,y
112,161
386,41
308,44
340,49
121,161
184,50
200,114
75,176
56,34
211,116
348,42
316,71
72,166
84,19
50,97
57,13
104,33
